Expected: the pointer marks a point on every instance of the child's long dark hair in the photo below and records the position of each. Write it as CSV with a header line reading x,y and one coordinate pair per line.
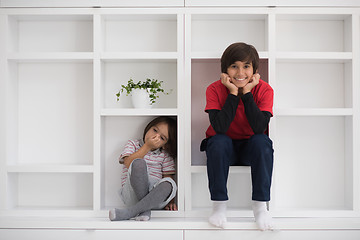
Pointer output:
x,y
171,145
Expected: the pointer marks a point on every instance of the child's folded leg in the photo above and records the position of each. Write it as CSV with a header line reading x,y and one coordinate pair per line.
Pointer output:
x,y
155,197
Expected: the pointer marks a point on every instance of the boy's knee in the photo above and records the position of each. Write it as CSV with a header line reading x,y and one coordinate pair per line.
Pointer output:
x,y
260,138
220,141
261,141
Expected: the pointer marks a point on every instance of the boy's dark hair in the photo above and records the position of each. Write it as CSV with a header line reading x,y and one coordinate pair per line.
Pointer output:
x,y
171,145
239,52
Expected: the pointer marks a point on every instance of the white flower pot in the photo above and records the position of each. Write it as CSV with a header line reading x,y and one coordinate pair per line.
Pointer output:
x,y
140,98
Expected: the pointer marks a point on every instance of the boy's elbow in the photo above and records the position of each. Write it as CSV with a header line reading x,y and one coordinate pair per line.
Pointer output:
x,y
219,132
220,129
259,129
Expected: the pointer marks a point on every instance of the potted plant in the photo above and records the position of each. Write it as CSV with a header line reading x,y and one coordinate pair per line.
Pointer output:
x,y
144,94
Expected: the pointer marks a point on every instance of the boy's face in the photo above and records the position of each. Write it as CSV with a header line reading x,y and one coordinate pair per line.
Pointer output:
x,y
240,73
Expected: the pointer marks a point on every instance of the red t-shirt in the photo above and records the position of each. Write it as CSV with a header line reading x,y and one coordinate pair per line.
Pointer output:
x,y
216,95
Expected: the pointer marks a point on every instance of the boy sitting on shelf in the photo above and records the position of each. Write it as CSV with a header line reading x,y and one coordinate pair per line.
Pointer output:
x,y
239,107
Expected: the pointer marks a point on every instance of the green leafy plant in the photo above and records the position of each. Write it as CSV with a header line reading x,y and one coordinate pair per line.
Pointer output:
x,y
153,86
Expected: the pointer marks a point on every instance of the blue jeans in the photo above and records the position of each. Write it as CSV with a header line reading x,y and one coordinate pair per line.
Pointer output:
x,y
223,152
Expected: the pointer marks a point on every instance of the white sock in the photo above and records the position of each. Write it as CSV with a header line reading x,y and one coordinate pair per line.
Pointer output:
x,y
262,216
145,216
218,216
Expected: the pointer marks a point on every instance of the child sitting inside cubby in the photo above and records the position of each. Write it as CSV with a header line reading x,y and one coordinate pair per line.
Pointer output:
x,y
239,107
148,171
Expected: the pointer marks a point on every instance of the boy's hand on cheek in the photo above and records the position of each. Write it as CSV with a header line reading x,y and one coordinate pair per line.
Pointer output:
x,y
226,81
251,84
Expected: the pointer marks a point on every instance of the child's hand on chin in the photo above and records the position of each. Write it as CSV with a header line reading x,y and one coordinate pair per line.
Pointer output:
x,y
153,142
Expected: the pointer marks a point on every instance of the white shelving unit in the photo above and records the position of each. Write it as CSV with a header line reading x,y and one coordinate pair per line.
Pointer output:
x,y
62,128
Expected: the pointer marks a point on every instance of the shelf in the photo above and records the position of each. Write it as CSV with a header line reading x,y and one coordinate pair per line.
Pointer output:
x,y
91,3
46,4
232,170
313,213
141,3
138,112
314,56
273,3
313,111
106,56
237,222
217,55
50,56
42,168
243,214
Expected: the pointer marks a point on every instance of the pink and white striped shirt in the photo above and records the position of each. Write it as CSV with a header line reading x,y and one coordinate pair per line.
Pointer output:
x,y
159,162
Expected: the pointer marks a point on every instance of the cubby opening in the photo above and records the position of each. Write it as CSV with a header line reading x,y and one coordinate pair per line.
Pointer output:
x,y
239,191
314,84
203,73
118,72
215,32
314,171
52,111
140,33
50,191
50,33
314,33
116,131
